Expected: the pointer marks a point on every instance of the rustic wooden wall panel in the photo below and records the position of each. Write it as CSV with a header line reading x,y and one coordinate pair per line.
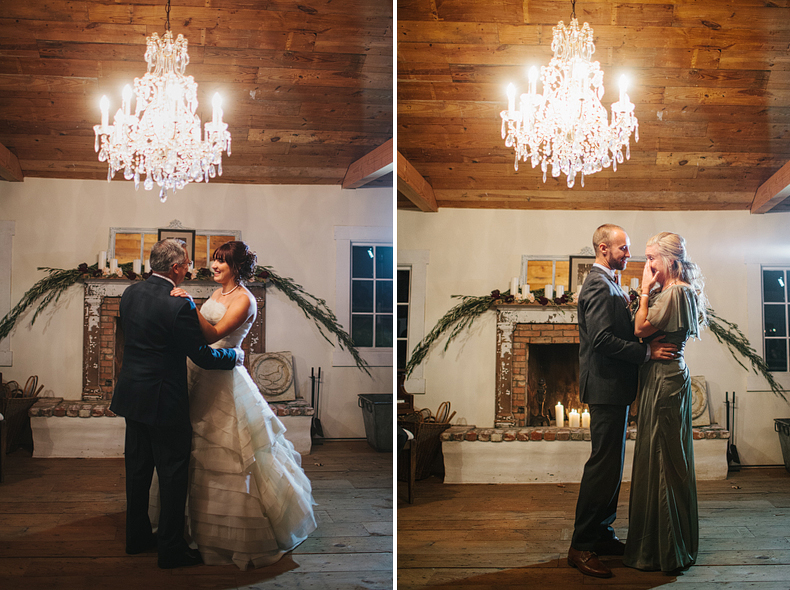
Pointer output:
x,y
710,80
307,86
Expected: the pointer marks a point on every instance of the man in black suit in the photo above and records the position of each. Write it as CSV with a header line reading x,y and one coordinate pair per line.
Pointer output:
x,y
160,332
609,357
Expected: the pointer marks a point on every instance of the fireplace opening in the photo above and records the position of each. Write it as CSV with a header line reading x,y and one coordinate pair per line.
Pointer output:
x,y
552,377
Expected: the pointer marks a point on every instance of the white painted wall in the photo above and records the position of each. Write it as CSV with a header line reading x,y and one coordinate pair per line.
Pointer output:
x,y
61,223
473,252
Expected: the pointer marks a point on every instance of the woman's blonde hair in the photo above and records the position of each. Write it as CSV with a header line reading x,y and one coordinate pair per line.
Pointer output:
x,y
672,250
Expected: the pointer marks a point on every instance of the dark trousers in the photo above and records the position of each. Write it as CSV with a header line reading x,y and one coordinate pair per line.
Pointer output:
x,y
168,449
596,508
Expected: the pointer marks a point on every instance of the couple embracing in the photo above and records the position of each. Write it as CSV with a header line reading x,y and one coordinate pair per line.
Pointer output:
x,y
205,427
620,356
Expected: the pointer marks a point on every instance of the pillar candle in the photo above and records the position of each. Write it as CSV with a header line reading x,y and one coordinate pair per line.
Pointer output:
x,y
147,266
560,411
548,291
102,260
635,284
113,265
560,290
137,267
514,286
585,419
573,419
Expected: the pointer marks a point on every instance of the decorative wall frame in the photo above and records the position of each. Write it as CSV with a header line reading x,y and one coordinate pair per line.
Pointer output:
x,y
580,267
273,373
187,235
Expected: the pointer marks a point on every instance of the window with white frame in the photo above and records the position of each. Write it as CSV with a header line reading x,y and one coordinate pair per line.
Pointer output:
x,y
371,295
364,285
410,322
775,314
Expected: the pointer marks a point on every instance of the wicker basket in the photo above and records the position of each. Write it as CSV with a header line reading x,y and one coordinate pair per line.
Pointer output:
x,y
14,405
427,436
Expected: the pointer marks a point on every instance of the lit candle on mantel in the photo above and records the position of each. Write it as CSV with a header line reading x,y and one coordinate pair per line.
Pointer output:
x,y
548,291
635,284
573,419
560,411
137,267
102,260
148,265
585,419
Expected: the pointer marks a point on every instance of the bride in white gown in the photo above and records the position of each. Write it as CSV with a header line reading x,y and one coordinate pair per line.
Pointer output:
x,y
249,499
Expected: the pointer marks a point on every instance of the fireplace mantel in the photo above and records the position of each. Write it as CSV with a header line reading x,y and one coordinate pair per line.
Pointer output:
x,y
102,350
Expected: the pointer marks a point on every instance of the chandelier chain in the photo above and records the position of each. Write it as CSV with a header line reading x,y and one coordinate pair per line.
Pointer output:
x,y
573,8
167,19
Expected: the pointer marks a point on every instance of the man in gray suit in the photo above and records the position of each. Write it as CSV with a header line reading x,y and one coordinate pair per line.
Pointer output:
x,y
609,357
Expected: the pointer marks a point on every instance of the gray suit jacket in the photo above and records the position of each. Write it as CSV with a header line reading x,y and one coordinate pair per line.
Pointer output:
x,y
609,352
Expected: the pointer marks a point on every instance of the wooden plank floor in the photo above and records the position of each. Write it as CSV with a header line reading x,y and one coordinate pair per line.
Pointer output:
x,y
62,527
517,536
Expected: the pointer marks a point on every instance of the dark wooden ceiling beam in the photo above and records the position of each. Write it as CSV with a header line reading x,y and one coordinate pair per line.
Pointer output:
x,y
773,191
9,166
369,167
414,187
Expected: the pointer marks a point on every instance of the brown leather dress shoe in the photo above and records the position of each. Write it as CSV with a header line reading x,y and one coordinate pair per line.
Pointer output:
x,y
587,562
610,547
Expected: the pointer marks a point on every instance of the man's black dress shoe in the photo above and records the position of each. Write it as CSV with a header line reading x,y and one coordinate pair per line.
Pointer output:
x,y
587,562
186,558
147,545
611,547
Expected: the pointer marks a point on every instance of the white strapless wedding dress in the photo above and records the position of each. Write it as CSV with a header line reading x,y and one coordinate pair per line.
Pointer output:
x,y
249,499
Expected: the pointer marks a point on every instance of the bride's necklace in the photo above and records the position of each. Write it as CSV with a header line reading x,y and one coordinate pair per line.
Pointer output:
x,y
231,291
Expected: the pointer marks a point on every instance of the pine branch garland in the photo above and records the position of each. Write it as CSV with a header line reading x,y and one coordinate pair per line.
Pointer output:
x,y
49,290
738,344
463,315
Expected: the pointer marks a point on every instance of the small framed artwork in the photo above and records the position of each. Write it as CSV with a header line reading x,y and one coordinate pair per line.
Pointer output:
x,y
186,235
580,267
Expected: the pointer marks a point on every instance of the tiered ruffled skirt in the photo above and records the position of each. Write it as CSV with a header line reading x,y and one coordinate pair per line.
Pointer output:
x,y
249,500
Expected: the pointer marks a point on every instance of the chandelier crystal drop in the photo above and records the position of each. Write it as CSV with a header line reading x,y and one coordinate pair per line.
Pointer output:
x,y
567,128
160,142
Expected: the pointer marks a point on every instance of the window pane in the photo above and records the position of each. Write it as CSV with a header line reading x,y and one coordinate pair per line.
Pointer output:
x,y
362,330
773,286
403,321
403,286
383,296
776,355
362,262
361,296
384,262
403,352
384,330
774,320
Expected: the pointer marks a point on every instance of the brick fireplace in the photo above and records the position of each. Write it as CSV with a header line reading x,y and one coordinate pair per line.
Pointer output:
x,y
533,344
103,339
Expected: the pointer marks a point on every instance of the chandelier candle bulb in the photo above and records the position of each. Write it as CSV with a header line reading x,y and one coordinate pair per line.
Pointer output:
x,y
585,419
127,100
511,98
573,419
560,412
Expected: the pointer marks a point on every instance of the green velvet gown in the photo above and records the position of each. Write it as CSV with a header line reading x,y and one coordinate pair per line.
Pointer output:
x,y
663,524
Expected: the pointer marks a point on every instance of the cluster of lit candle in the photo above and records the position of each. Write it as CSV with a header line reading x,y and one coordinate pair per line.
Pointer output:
x,y
575,420
137,265
522,292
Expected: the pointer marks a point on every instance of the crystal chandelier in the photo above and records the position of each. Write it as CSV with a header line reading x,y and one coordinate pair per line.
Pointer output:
x,y
567,127
161,142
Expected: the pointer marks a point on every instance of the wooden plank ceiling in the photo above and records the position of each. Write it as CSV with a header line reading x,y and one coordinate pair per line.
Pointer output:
x,y
710,80
307,85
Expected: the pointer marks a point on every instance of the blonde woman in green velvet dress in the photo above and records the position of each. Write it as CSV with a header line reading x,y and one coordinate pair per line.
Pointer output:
x,y
663,530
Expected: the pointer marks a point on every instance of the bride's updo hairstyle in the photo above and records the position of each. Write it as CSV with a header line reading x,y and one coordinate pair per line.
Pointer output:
x,y
672,250
239,258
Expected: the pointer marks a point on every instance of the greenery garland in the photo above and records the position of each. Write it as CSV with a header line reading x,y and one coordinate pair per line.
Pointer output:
x,y
50,288
464,314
